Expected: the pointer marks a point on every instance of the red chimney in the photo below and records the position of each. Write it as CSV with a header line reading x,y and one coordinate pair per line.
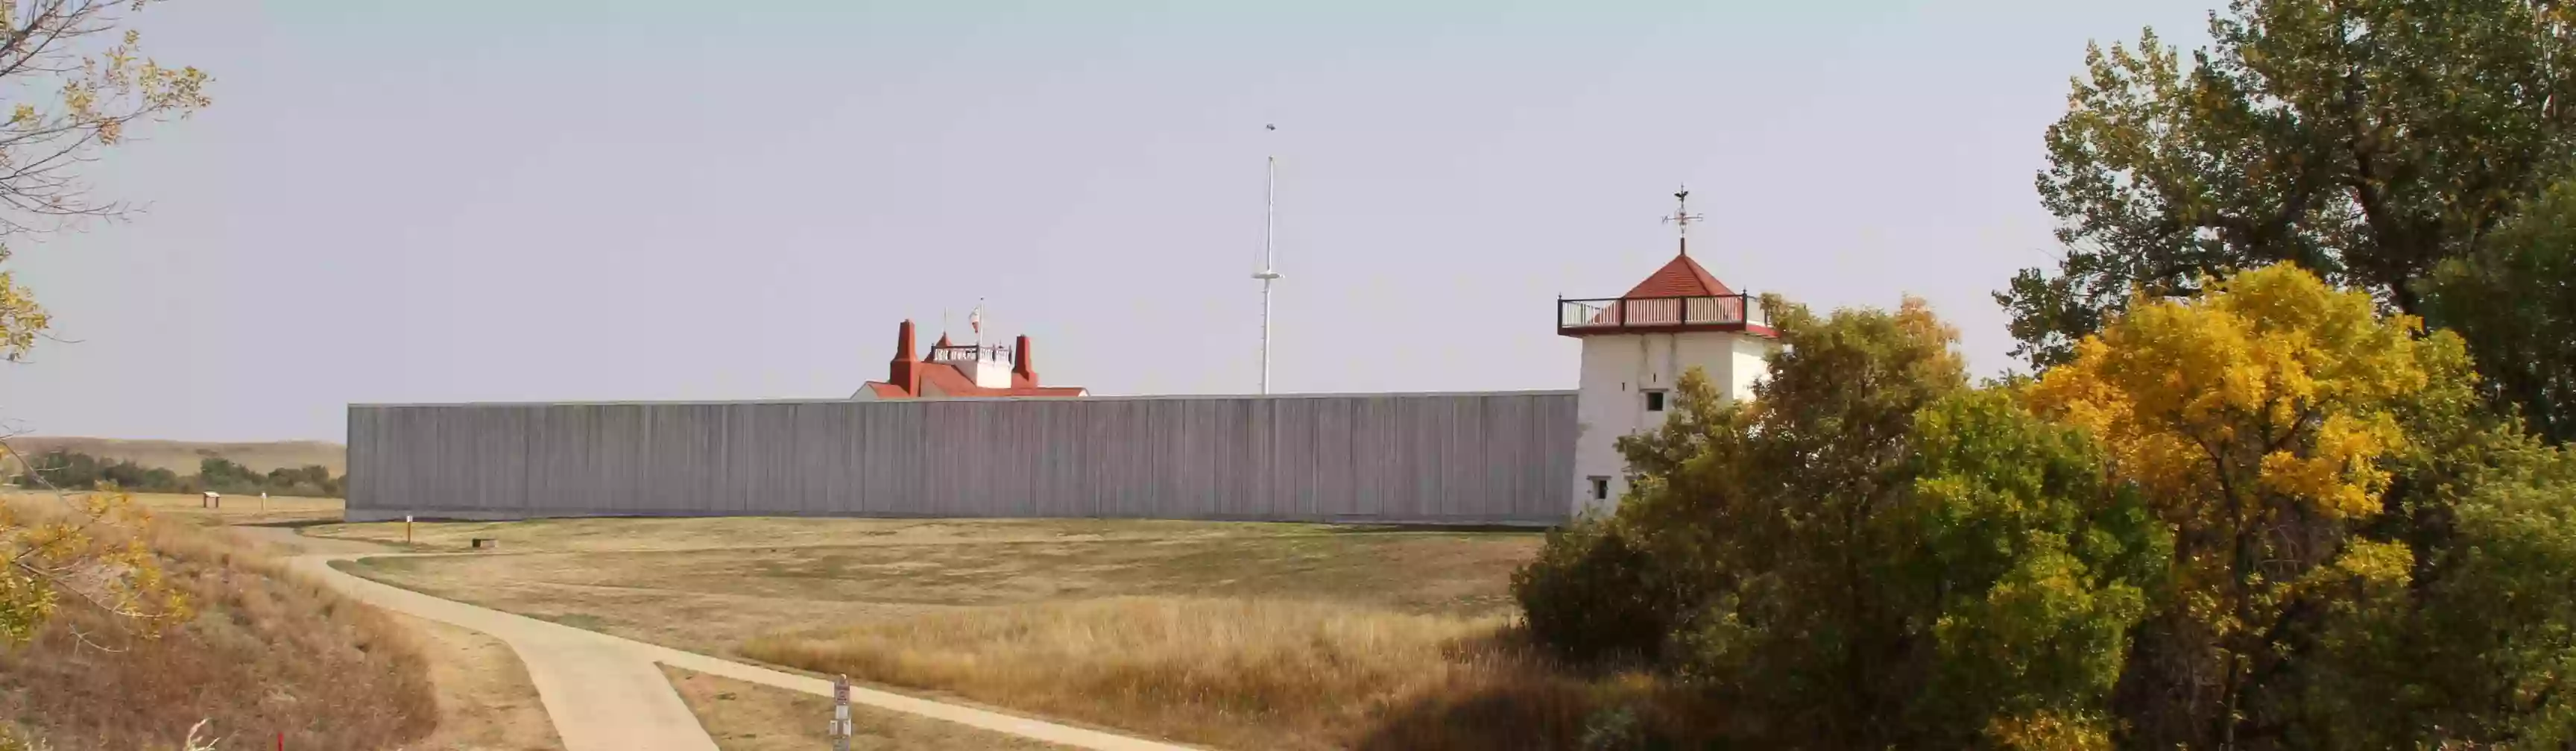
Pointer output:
x,y
905,370
1024,370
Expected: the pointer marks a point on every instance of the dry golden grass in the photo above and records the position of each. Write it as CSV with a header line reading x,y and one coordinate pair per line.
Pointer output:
x,y
242,509
236,509
267,653
1244,636
626,534
746,716
711,600
182,456
1238,673
485,700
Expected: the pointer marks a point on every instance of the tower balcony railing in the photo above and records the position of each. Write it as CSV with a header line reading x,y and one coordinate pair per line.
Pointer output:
x,y
1703,313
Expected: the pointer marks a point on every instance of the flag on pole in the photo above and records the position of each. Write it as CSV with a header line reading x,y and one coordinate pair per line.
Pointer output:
x,y
975,318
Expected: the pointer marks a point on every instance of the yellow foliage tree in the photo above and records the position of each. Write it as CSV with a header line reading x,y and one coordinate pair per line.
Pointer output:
x,y
2255,418
91,550
76,81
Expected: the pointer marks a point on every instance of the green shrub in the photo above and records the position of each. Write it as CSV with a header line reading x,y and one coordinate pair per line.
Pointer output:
x,y
1589,596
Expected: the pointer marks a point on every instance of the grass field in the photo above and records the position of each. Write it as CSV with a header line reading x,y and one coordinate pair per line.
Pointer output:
x,y
1232,634
182,456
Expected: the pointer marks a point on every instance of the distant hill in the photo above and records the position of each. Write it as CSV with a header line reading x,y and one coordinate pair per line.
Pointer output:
x,y
182,456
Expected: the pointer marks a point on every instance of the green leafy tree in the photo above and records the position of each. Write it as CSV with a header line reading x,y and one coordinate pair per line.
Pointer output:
x,y
2031,566
2473,650
139,478
1731,560
60,468
2514,300
2368,140
308,480
224,475
1760,523
2477,646
1867,554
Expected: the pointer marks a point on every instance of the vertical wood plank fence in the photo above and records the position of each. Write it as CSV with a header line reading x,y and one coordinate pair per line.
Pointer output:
x,y
1469,458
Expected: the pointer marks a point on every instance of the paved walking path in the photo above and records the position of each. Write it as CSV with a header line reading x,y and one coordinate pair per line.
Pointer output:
x,y
605,695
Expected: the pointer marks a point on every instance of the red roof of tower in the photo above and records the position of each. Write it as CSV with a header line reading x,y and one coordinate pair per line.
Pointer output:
x,y
1681,296
1682,277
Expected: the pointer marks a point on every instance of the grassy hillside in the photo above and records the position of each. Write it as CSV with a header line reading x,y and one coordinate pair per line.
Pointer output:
x,y
182,456
266,655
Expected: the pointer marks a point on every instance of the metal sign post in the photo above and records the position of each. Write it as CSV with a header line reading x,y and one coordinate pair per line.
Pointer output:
x,y
840,731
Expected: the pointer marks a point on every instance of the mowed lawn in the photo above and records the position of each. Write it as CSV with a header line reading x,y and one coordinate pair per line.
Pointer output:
x,y
1240,635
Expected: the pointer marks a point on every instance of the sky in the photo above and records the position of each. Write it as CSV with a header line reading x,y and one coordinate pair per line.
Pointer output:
x,y
523,201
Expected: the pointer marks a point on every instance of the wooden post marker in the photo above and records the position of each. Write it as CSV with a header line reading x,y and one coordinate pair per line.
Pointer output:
x,y
840,731
406,529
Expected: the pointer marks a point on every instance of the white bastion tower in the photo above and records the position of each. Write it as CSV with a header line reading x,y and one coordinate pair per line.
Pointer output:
x,y
1637,345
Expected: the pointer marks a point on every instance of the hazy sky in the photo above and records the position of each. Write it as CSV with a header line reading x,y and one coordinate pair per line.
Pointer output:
x,y
470,201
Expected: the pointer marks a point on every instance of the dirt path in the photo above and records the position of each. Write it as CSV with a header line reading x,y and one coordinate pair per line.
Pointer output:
x,y
605,693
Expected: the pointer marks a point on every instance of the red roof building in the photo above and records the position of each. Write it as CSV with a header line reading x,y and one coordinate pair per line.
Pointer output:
x,y
961,370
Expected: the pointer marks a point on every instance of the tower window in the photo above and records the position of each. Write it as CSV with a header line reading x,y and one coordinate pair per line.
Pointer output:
x,y
1655,400
1600,488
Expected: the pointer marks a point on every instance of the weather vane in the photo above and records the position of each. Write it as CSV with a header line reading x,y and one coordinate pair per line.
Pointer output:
x,y
1682,217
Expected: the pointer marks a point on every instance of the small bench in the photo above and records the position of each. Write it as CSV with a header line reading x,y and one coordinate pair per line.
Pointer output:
x,y
480,543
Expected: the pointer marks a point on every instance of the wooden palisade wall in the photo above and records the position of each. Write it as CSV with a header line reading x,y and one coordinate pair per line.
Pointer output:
x,y
1482,458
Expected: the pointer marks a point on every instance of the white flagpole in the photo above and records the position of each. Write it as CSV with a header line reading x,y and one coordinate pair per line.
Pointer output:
x,y
1269,269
